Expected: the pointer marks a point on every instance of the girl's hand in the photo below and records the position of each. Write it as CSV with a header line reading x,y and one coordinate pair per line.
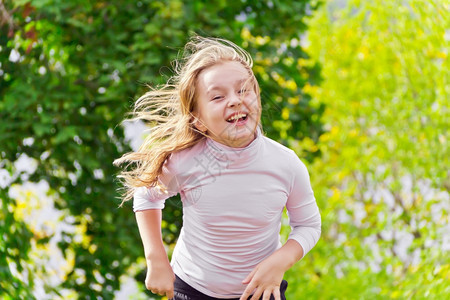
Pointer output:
x,y
160,277
265,279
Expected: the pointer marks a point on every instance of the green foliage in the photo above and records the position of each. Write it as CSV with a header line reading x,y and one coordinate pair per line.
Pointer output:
x,y
382,180
69,72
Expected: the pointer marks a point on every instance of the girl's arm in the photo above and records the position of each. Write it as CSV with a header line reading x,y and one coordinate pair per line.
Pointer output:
x,y
160,276
304,218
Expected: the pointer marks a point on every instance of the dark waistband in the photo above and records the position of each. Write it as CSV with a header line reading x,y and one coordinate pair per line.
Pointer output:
x,y
185,289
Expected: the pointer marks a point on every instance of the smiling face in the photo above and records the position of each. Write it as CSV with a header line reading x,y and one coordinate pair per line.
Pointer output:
x,y
228,108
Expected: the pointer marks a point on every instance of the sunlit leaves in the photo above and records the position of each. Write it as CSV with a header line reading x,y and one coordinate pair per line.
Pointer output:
x,y
69,73
382,179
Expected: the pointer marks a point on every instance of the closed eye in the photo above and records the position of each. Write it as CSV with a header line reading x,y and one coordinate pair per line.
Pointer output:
x,y
217,98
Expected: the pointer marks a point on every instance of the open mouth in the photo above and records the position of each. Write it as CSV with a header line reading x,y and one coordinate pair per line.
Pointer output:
x,y
237,118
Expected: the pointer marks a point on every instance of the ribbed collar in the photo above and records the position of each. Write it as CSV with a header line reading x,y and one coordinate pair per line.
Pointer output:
x,y
235,157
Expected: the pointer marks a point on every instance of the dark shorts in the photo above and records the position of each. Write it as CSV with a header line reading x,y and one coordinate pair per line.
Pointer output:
x,y
183,291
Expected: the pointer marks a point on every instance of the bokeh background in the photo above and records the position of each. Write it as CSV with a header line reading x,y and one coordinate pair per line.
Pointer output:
x,y
359,89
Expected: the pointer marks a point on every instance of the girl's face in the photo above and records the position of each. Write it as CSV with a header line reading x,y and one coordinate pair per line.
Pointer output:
x,y
228,108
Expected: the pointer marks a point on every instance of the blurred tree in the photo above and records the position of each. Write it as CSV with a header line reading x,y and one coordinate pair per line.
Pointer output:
x,y
383,178
69,71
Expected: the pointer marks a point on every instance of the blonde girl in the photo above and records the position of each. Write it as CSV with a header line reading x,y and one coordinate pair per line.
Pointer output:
x,y
206,144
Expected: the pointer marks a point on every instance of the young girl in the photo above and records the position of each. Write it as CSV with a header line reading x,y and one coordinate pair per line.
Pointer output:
x,y
206,144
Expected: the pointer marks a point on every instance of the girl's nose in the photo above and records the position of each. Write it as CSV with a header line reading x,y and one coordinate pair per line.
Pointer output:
x,y
234,100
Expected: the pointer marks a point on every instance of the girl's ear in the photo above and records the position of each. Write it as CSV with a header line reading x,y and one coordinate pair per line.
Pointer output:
x,y
199,124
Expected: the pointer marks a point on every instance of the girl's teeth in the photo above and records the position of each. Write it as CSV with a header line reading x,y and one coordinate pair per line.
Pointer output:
x,y
236,117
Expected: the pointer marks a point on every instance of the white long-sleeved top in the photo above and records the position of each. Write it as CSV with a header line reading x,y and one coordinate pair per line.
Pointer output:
x,y
233,199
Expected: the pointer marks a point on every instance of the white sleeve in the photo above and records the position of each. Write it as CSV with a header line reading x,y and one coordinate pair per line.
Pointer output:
x,y
302,209
154,197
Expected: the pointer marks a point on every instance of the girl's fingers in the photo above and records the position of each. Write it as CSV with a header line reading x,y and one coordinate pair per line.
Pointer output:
x,y
245,295
170,294
251,285
257,294
276,293
248,291
249,277
266,295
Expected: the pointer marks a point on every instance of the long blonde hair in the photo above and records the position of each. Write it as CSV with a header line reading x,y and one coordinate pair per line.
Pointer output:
x,y
169,111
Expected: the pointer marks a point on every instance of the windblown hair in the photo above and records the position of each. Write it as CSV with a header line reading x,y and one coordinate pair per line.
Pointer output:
x,y
169,111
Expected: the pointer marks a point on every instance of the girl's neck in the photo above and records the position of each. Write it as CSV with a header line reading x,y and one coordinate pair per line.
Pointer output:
x,y
235,157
